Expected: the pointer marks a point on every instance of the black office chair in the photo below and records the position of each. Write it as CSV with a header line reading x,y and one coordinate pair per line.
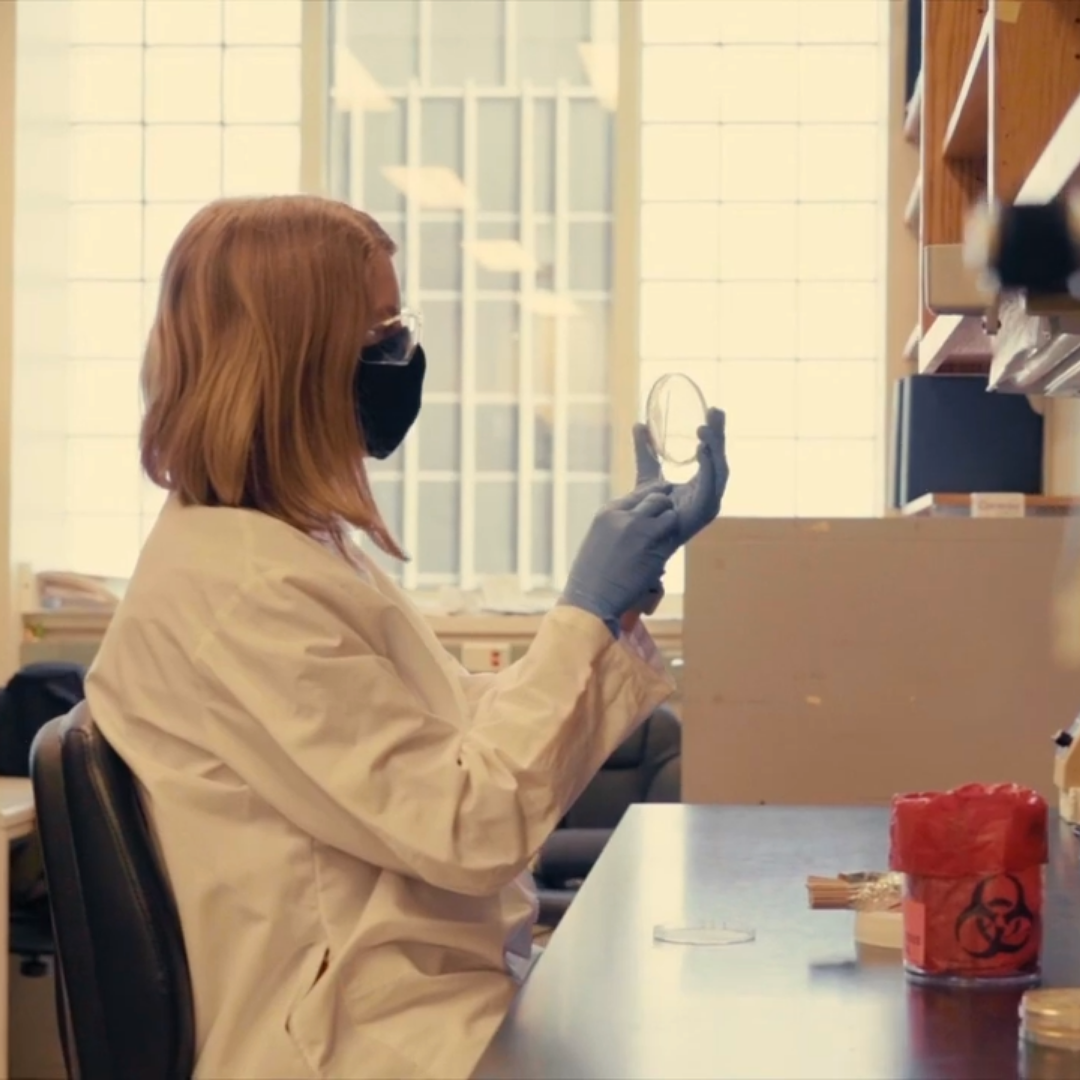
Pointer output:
x,y
647,767
32,697
123,989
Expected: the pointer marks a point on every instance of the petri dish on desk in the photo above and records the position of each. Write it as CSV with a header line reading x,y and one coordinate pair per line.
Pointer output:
x,y
674,411
703,933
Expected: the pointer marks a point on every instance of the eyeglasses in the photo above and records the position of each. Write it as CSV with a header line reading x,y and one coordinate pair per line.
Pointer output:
x,y
394,340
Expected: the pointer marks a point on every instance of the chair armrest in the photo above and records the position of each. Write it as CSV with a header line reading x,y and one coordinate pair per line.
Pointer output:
x,y
554,904
569,854
665,785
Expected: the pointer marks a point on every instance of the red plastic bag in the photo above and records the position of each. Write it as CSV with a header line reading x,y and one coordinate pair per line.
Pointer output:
x,y
972,860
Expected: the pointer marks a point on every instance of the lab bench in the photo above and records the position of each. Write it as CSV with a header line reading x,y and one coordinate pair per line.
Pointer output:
x,y
800,1001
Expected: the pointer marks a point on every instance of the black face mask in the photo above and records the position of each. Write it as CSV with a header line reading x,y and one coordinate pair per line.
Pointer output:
x,y
386,396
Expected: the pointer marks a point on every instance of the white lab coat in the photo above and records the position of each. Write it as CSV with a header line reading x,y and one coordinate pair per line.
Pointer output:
x,y
345,814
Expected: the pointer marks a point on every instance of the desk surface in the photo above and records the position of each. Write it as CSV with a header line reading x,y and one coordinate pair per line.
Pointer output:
x,y
796,1004
16,802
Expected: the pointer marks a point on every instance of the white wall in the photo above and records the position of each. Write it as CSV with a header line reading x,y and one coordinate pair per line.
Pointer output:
x,y
39,369
8,641
33,255
158,108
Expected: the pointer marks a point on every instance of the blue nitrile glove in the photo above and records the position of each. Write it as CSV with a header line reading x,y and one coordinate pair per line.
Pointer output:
x,y
697,502
623,554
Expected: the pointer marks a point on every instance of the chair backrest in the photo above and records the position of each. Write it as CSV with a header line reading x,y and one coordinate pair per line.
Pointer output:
x,y
122,963
645,768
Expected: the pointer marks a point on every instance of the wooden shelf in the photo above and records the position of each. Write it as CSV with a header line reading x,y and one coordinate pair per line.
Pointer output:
x,y
960,506
1059,164
1023,322
1036,80
967,131
955,344
1001,75
913,114
913,208
911,346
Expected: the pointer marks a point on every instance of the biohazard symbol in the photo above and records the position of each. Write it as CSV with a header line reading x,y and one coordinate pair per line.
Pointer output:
x,y
998,921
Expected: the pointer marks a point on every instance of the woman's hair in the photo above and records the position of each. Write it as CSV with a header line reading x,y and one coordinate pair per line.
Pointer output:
x,y
248,372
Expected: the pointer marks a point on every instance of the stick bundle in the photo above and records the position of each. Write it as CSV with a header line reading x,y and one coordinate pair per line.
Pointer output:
x,y
865,891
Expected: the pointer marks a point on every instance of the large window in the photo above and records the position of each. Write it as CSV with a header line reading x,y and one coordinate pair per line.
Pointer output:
x,y
171,103
480,134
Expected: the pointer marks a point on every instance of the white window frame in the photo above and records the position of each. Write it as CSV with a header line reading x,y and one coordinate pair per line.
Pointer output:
x,y
622,360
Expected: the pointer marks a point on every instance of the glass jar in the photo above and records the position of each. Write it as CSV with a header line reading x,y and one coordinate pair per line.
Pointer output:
x,y
974,930
1050,1035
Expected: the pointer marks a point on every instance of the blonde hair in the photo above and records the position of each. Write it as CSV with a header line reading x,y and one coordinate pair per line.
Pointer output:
x,y
248,373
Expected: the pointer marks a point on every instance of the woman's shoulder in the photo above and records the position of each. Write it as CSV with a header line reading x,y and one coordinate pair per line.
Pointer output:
x,y
203,558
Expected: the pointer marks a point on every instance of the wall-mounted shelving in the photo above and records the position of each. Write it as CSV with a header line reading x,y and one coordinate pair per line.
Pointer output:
x,y
954,344
911,346
913,115
1000,81
1037,349
968,127
913,209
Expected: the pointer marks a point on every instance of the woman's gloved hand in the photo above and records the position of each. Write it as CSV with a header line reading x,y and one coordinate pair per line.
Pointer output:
x,y
697,502
623,554
644,605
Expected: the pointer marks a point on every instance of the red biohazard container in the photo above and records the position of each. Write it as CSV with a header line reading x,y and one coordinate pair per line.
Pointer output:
x,y
972,861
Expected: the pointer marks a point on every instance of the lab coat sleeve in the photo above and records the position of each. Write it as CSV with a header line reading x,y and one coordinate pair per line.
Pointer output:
x,y
475,684
307,712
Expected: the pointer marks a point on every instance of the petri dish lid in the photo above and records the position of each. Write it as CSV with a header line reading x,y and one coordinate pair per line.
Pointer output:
x,y
674,411
1051,1017
703,933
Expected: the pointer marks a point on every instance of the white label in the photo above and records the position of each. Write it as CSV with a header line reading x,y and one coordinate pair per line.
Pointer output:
x,y
990,504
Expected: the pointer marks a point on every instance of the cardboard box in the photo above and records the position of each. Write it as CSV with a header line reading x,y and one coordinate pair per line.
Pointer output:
x,y
839,662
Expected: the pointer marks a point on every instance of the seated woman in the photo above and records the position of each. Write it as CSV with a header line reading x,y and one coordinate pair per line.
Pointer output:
x,y
345,815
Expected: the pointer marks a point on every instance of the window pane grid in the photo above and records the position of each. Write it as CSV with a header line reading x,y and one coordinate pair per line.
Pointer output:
x,y
760,239
171,105
489,157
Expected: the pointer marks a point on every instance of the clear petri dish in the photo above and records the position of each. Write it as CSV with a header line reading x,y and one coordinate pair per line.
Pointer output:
x,y
674,410
703,933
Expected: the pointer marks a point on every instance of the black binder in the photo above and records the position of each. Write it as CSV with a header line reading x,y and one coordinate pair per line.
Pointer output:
x,y
951,436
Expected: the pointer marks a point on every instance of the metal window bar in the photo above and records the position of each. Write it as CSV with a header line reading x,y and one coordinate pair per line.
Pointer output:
x,y
624,369
340,132
316,71
511,43
410,493
526,402
498,93
560,440
511,217
423,42
467,427
527,218
354,170
504,475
